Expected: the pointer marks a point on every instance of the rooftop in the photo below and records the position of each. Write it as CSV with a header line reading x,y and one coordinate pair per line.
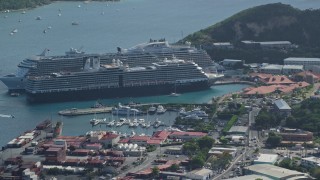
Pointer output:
x,y
250,177
312,159
301,59
272,66
274,171
242,129
281,104
201,172
266,158
176,133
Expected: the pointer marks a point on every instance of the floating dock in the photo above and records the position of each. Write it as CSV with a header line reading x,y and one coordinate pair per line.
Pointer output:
x,y
77,112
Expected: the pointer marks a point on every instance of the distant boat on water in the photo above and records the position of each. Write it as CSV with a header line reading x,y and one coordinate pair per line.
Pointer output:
x,y
14,31
38,18
74,23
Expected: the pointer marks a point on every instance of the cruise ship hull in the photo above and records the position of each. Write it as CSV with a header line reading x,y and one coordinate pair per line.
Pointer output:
x,y
116,92
14,84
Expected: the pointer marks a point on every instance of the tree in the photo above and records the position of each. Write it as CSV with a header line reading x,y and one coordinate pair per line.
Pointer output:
x,y
197,162
286,163
205,142
155,171
174,167
316,173
273,140
190,148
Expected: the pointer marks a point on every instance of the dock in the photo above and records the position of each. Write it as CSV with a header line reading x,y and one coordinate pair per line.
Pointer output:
x,y
77,112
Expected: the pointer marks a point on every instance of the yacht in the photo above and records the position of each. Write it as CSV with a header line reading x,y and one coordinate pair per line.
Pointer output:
x,y
148,124
161,109
152,110
157,123
96,121
125,110
197,111
111,123
192,116
141,121
132,133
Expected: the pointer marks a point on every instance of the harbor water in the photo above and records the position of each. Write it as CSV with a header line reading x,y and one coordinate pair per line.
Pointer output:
x,y
100,27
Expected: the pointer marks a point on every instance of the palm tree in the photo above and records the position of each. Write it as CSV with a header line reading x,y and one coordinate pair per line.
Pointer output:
x,y
155,171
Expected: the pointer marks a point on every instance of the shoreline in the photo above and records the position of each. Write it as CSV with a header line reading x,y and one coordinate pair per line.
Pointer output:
x,y
53,1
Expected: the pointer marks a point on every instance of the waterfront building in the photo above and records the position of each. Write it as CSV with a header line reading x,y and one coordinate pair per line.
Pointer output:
x,y
185,136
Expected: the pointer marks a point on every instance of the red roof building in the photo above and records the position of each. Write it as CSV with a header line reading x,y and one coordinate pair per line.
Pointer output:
x,y
186,135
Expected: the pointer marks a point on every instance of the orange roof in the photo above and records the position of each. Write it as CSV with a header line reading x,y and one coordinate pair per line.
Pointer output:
x,y
140,138
272,88
278,80
154,141
262,90
161,135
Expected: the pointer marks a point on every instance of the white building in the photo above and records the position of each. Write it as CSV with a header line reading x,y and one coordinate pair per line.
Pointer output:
x,y
218,151
200,174
292,69
310,162
223,45
272,69
308,63
281,69
266,159
269,44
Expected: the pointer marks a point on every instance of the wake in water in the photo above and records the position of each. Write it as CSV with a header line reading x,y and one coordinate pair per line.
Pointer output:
x,y
6,116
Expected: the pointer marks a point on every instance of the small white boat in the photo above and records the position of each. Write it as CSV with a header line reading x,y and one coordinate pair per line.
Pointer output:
x,y
14,31
141,121
174,94
148,124
49,27
79,6
132,133
152,110
157,123
23,12
161,109
59,14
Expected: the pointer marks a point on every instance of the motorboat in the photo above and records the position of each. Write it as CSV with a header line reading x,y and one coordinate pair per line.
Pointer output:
x,y
74,23
125,110
196,111
111,123
161,109
152,110
157,123
38,18
96,121
192,116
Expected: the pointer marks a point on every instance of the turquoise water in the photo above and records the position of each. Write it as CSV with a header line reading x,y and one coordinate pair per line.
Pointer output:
x,y
101,29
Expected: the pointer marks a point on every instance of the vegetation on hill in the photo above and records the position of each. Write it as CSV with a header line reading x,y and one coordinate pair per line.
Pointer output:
x,y
306,116
21,4
24,4
271,22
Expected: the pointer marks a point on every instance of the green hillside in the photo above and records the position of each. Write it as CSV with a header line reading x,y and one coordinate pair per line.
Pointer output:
x,y
271,22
